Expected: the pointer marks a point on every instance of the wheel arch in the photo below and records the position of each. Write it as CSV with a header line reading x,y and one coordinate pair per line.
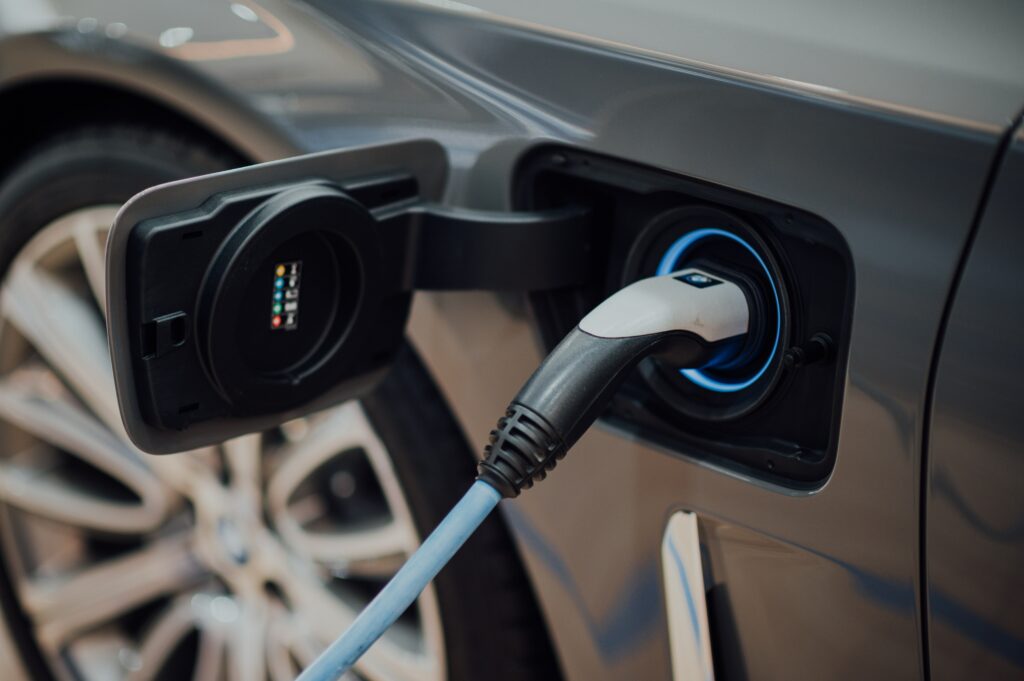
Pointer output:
x,y
51,81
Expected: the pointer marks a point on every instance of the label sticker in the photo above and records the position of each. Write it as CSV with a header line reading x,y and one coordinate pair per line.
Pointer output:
x,y
284,307
697,279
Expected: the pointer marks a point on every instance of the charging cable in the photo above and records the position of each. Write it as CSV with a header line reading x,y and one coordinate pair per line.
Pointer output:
x,y
692,318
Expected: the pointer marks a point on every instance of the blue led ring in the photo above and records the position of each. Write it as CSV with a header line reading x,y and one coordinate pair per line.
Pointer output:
x,y
668,265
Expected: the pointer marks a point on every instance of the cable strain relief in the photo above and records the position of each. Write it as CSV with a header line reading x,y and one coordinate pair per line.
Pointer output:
x,y
523,448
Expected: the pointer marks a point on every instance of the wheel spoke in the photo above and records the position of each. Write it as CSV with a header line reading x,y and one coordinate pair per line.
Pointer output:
x,y
321,612
64,606
244,458
23,487
210,656
68,332
327,616
90,229
27,483
387,662
247,641
372,551
188,473
163,638
331,433
376,550
288,643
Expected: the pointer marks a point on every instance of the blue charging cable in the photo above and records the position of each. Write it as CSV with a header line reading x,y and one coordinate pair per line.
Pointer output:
x,y
406,585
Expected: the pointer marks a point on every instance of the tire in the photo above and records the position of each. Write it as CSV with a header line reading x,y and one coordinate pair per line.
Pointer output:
x,y
491,624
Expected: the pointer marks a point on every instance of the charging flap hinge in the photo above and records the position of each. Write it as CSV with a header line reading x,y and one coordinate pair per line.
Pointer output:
x,y
459,249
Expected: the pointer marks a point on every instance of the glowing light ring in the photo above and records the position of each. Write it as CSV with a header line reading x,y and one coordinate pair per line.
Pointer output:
x,y
668,264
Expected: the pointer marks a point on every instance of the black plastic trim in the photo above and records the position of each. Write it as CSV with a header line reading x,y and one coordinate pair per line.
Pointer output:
x,y
458,249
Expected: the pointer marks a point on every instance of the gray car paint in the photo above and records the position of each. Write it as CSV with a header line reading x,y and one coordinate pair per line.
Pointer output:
x,y
975,517
875,121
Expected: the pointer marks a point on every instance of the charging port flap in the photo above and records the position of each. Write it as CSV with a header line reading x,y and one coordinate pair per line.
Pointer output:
x,y
245,298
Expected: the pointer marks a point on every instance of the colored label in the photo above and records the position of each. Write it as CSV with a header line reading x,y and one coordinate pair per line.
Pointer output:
x,y
284,304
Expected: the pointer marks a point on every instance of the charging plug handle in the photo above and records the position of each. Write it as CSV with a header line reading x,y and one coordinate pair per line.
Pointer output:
x,y
692,317
563,398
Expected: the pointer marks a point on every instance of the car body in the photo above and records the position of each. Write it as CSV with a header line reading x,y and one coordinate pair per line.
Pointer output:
x,y
896,124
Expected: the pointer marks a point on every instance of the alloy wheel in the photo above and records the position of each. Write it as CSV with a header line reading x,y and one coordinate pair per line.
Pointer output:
x,y
238,562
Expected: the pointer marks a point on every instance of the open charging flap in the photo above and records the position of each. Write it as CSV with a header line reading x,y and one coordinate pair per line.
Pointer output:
x,y
240,300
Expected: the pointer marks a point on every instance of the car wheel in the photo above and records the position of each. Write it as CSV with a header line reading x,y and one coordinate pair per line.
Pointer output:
x,y
239,561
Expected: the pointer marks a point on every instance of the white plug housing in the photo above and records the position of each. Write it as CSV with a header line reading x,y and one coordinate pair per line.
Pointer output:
x,y
689,300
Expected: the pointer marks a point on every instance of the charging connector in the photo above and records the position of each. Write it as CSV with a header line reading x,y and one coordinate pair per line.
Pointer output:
x,y
692,318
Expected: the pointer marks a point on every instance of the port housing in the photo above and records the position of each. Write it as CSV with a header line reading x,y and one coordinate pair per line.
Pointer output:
x,y
782,427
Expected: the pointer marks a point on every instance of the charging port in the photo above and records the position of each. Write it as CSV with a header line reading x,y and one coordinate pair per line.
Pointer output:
x,y
764,411
702,236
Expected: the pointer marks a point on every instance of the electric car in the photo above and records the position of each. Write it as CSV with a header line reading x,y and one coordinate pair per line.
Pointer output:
x,y
844,503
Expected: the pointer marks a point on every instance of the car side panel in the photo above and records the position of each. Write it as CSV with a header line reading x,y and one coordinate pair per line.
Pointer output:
x,y
975,513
